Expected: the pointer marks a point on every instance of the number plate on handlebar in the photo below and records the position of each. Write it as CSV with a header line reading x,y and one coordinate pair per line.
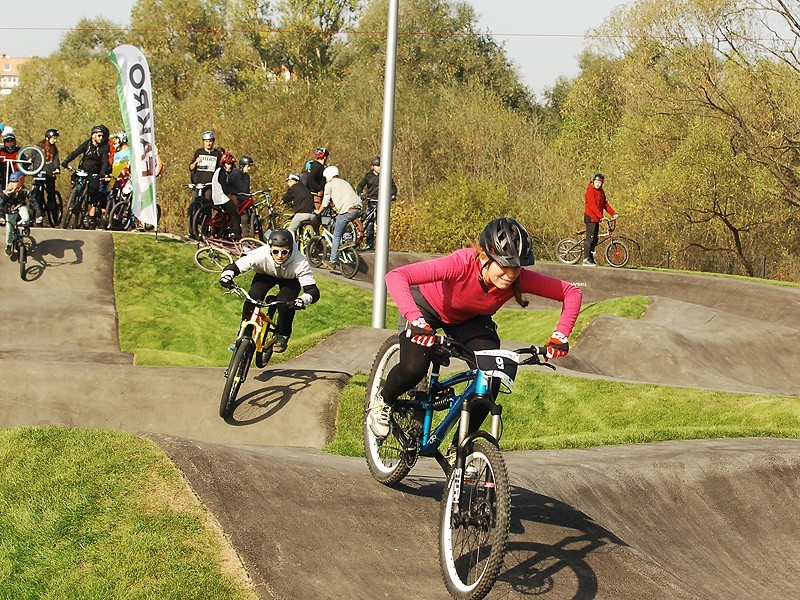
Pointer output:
x,y
498,363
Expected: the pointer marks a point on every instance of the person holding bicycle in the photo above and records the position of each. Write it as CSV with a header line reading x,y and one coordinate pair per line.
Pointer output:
x,y
50,169
348,207
313,177
221,194
94,153
239,186
368,187
12,206
459,294
595,204
278,263
8,152
300,199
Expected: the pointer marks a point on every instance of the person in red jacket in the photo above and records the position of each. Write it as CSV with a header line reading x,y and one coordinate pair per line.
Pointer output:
x,y
596,203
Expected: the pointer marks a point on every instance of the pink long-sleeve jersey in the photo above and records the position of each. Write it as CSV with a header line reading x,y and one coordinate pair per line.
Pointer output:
x,y
452,287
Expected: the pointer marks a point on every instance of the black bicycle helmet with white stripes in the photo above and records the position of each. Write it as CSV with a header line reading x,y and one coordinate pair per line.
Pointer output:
x,y
507,243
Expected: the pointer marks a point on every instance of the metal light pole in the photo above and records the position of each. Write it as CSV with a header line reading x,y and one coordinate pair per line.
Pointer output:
x,y
385,180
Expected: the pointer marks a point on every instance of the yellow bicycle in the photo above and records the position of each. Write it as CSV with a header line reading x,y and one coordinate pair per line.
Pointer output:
x,y
256,339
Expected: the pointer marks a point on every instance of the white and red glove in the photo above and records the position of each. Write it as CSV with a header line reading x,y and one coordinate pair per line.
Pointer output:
x,y
558,346
421,333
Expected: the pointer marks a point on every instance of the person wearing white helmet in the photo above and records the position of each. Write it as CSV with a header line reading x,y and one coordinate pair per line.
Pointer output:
x,y
348,207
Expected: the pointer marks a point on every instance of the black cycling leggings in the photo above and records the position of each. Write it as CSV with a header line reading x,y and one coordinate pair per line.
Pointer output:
x,y
477,334
233,213
288,290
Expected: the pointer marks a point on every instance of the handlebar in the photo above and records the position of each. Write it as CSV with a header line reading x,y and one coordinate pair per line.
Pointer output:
x,y
242,293
447,346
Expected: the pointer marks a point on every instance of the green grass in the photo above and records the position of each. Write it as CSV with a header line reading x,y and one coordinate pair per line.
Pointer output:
x,y
97,515
173,314
551,411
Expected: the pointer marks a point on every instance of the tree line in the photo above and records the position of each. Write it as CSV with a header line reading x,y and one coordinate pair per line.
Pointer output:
x,y
689,107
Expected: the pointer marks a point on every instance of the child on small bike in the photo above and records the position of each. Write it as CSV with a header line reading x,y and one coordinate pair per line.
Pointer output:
x,y
12,206
278,263
459,294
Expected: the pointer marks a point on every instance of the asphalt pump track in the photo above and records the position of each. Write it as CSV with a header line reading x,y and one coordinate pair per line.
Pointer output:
x,y
693,519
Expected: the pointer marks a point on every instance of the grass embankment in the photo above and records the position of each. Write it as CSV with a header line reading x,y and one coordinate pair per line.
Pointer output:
x,y
173,314
99,514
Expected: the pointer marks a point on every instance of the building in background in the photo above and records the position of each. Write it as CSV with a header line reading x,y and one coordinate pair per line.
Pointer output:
x,y
9,72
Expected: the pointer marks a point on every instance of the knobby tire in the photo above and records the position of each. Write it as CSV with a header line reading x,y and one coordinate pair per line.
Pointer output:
x,y
471,551
211,259
237,373
348,262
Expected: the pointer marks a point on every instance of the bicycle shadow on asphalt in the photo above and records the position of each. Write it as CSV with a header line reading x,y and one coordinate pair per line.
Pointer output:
x,y
263,403
565,537
65,252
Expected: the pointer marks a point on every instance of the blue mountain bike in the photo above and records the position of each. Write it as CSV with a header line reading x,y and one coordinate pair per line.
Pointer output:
x,y
476,507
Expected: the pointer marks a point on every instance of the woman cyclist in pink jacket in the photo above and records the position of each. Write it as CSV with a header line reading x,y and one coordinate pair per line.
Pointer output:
x,y
459,294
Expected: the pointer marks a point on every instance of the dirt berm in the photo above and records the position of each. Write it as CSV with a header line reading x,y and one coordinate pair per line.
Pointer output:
x,y
702,519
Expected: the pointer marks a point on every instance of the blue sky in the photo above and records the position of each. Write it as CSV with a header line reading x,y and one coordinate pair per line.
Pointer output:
x,y
543,38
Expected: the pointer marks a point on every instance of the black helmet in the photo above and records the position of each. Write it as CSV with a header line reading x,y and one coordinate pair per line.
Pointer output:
x,y
281,237
102,129
376,161
507,243
599,176
50,133
245,160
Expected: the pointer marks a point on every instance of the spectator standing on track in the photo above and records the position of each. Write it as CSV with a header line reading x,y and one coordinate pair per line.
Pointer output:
x,y
368,186
595,204
205,162
221,195
239,185
94,153
8,151
50,169
300,199
348,207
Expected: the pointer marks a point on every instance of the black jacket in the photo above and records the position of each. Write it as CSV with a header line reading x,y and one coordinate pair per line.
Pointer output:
x,y
369,186
239,184
94,159
299,198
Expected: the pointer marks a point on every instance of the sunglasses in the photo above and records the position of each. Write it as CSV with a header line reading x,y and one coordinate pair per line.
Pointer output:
x,y
280,252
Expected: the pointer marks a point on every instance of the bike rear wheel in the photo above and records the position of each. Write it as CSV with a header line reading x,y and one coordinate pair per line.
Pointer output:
x,y
315,251
263,356
617,254
472,539
569,251
348,262
237,373
389,460
211,259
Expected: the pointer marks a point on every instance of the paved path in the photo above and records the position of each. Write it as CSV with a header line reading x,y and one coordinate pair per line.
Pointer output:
x,y
697,519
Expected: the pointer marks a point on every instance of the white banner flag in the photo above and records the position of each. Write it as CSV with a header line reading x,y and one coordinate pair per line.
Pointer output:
x,y
136,104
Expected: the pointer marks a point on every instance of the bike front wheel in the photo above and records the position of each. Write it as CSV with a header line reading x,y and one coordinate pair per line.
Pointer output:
x,y
22,258
569,251
73,212
617,254
348,262
54,209
237,373
121,218
212,260
473,528
390,460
